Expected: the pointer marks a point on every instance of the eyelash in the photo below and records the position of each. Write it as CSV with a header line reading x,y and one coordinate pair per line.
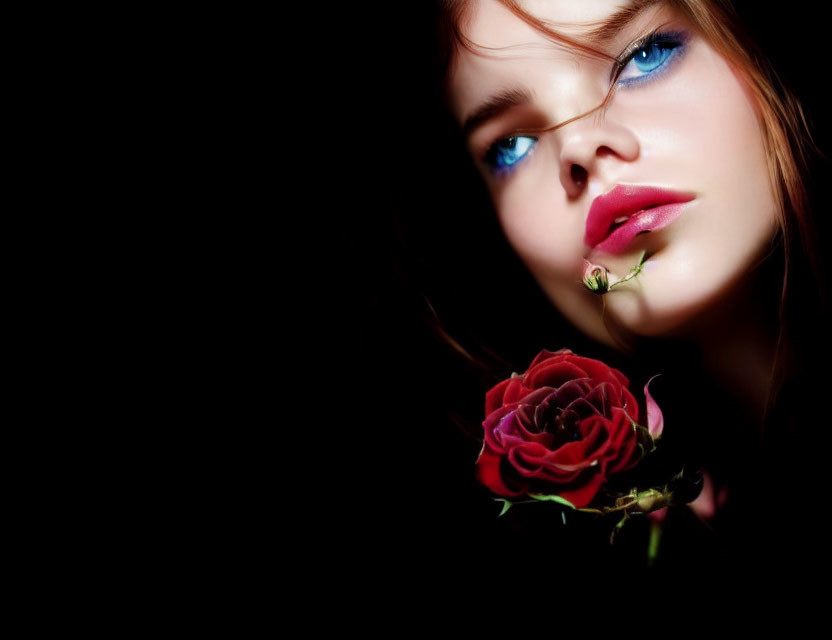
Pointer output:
x,y
498,151
674,42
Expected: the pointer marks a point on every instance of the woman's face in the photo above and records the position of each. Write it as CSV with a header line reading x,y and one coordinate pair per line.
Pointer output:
x,y
681,119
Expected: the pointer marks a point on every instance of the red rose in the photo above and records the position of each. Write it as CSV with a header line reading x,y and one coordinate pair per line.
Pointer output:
x,y
561,428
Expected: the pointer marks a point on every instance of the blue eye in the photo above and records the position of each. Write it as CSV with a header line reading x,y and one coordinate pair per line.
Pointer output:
x,y
505,153
650,57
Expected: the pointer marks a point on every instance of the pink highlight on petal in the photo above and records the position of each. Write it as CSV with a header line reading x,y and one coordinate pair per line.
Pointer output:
x,y
722,497
658,515
705,506
655,418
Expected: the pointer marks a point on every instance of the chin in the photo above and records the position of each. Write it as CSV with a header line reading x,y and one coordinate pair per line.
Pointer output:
x,y
678,308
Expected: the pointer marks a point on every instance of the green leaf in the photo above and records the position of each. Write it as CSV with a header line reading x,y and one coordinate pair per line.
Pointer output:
x,y
552,498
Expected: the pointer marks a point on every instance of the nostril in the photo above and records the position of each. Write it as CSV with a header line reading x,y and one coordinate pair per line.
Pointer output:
x,y
578,174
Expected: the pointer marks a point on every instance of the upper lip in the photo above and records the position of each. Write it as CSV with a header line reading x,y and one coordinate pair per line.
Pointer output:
x,y
625,200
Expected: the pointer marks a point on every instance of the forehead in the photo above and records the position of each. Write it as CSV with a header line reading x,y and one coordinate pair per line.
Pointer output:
x,y
492,24
506,44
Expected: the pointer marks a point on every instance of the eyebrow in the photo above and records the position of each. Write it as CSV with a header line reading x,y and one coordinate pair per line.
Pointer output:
x,y
494,106
617,21
506,99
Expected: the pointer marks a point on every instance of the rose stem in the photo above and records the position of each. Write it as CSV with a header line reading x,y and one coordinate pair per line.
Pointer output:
x,y
622,507
634,271
653,545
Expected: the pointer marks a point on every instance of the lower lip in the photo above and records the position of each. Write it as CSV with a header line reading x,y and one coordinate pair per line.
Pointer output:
x,y
647,220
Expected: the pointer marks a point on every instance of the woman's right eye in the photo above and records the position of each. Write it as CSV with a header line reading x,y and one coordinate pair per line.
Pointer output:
x,y
504,154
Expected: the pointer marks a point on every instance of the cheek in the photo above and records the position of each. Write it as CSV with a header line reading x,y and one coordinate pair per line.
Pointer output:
x,y
709,136
714,145
547,236
723,136
734,176
538,223
731,142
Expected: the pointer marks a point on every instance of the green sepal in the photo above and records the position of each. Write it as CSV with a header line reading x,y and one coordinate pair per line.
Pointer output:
x,y
552,498
618,527
645,431
506,505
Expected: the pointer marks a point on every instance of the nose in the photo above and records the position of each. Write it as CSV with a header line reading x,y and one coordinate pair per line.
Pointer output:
x,y
583,145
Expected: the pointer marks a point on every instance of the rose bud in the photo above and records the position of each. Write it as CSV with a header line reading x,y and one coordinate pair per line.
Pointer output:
x,y
651,499
595,278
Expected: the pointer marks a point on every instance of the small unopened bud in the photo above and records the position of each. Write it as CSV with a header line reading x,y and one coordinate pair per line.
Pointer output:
x,y
595,278
651,499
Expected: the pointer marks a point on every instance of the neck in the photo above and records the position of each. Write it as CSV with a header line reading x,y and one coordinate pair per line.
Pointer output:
x,y
737,340
732,345
740,355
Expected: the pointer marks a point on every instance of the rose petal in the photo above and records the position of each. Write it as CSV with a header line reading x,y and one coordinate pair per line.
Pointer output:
x,y
546,355
704,505
655,418
658,515
536,397
526,428
599,371
516,390
494,418
594,435
528,459
571,391
630,404
510,433
582,496
488,473
624,452
496,427
494,396
553,373
599,399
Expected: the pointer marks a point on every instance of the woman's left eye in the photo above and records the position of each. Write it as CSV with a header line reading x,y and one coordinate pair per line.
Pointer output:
x,y
651,57
504,154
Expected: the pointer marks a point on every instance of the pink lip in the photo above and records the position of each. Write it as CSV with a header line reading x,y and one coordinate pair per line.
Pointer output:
x,y
649,208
